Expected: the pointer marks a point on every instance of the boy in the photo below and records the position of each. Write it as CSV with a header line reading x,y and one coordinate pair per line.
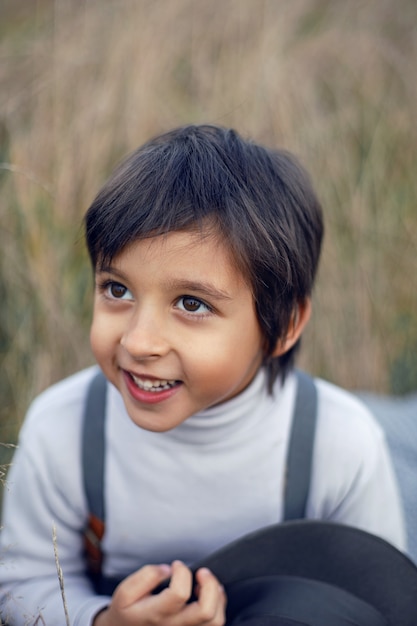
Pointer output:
x,y
205,249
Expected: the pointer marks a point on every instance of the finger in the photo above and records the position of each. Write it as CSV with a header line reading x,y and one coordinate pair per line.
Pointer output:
x,y
210,607
166,606
139,584
219,618
210,591
179,591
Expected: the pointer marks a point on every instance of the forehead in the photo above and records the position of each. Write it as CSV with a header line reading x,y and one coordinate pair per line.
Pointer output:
x,y
202,253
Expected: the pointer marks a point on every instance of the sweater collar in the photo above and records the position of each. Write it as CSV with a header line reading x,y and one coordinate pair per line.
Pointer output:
x,y
233,418
227,419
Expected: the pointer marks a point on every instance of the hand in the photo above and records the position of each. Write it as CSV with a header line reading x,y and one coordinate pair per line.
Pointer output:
x,y
133,604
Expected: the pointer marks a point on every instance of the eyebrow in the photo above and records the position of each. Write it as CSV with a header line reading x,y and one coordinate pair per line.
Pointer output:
x,y
109,269
198,286
205,288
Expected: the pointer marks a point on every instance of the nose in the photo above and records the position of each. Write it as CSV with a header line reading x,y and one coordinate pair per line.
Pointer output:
x,y
145,336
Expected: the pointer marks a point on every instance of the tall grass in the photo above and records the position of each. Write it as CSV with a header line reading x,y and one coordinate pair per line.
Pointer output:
x,y
84,82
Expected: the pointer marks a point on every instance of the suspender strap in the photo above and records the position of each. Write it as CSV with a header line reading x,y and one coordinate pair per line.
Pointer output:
x,y
93,450
300,448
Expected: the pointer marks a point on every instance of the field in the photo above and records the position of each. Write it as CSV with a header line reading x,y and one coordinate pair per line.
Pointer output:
x,y
82,83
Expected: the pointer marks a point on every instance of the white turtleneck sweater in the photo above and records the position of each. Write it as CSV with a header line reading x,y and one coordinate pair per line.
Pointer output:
x,y
179,494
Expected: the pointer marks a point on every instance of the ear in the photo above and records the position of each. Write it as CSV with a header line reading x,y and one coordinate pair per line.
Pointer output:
x,y
299,320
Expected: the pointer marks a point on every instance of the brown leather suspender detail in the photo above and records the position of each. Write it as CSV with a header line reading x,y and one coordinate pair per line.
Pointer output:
x,y
93,534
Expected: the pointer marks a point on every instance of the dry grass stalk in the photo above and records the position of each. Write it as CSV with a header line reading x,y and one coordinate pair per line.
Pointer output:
x,y
60,576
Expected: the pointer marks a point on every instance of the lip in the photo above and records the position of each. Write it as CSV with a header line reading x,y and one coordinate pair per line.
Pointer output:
x,y
144,396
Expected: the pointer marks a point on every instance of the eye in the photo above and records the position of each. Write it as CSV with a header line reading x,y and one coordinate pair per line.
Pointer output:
x,y
117,291
193,305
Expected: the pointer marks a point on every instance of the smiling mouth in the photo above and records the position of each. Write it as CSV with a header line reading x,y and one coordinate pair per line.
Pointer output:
x,y
154,386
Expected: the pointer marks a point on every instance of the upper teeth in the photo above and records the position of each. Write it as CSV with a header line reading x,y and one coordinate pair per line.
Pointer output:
x,y
153,385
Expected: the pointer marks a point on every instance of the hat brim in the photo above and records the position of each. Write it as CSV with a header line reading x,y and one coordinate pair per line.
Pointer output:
x,y
351,559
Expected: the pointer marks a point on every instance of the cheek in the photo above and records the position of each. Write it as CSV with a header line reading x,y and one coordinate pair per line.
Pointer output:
x,y
232,355
100,339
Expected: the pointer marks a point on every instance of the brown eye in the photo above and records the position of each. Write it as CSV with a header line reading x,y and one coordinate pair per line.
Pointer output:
x,y
191,304
116,290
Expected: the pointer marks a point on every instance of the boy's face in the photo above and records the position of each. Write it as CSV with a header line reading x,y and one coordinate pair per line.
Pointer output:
x,y
175,328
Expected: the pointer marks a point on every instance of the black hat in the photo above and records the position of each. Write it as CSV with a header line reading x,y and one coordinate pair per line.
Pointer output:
x,y
315,573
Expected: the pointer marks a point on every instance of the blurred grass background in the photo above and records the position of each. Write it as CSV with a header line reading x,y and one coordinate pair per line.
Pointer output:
x,y
83,82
